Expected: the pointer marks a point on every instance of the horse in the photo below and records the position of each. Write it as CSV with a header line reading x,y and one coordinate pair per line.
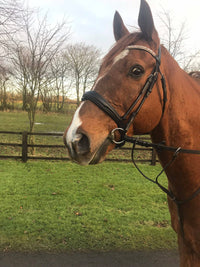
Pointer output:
x,y
141,89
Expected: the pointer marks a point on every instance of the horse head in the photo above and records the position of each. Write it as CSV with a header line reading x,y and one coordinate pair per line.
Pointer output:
x,y
127,95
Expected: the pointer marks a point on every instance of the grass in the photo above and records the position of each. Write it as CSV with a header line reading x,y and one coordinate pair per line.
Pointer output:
x,y
60,206
45,122
56,206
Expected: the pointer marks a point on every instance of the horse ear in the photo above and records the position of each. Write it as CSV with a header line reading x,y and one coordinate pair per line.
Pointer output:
x,y
146,23
119,28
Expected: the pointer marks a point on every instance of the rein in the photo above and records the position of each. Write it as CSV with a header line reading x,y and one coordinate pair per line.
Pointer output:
x,y
161,147
124,122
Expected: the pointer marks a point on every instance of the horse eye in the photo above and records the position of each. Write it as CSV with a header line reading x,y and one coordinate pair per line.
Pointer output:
x,y
136,71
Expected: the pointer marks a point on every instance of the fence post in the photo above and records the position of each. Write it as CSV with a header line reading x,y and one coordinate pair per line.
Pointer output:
x,y
24,146
153,157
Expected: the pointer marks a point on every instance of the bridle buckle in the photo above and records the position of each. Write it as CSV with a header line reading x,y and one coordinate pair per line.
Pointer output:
x,y
113,136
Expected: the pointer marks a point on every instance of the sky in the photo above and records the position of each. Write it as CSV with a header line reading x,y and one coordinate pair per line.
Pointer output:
x,y
91,20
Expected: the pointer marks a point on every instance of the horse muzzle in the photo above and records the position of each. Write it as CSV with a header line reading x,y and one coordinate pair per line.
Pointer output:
x,y
80,151
78,147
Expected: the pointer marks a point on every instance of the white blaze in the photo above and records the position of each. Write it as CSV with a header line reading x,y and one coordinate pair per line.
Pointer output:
x,y
121,55
76,122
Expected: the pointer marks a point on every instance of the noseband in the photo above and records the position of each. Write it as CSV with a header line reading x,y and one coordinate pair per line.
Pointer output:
x,y
124,122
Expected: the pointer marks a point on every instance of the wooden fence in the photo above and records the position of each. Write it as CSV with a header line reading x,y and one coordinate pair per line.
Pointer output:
x,y
122,154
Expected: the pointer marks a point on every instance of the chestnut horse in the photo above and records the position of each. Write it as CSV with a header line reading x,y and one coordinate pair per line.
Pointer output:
x,y
141,89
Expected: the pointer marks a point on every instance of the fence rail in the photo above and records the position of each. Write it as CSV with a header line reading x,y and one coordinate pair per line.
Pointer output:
x,y
144,154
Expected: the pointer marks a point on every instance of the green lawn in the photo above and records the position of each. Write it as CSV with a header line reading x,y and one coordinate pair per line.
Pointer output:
x,y
56,206
50,122
60,206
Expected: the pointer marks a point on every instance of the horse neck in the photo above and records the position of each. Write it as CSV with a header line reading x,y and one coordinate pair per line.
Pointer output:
x,y
180,124
182,113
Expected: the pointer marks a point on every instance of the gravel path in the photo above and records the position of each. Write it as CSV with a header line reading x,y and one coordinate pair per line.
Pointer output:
x,y
108,259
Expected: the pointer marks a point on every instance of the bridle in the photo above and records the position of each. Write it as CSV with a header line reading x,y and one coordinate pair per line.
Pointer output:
x,y
124,122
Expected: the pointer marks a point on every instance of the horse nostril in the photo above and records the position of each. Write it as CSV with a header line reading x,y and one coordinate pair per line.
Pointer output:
x,y
81,144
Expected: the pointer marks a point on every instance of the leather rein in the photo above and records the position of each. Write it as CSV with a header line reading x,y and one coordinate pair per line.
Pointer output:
x,y
124,122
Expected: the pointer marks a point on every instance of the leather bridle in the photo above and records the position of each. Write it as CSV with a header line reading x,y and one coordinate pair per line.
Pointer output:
x,y
124,122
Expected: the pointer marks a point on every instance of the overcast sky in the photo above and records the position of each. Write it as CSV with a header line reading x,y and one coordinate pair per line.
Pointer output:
x,y
91,20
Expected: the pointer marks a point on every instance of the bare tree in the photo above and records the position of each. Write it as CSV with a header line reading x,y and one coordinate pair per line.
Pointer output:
x,y
60,86
83,61
174,39
10,14
32,55
46,94
11,22
4,78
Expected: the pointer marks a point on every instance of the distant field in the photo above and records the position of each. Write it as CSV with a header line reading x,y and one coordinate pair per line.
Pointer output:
x,y
50,122
57,206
